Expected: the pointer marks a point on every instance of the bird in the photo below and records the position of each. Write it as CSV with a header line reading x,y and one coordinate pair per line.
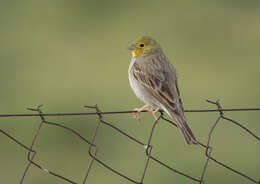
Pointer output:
x,y
154,80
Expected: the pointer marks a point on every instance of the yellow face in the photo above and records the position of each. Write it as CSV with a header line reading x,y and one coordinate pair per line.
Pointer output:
x,y
144,46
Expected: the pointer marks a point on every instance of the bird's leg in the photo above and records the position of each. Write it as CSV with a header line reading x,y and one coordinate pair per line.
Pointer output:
x,y
139,110
145,107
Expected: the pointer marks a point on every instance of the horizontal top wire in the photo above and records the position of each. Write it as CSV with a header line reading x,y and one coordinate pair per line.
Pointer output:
x,y
120,112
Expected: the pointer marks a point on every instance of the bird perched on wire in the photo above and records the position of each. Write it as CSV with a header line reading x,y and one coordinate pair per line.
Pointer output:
x,y
154,80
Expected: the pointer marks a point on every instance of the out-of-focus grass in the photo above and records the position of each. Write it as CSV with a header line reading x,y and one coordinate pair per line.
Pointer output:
x,y
65,54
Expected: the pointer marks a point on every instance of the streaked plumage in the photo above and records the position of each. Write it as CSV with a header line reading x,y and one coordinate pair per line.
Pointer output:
x,y
153,79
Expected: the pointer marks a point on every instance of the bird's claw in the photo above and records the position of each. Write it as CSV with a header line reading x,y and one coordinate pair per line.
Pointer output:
x,y
137,112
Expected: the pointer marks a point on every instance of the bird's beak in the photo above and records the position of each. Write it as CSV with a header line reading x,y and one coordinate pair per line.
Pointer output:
x,y
132,47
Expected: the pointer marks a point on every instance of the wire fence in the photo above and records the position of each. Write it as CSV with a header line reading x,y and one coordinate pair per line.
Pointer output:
x,y
93,147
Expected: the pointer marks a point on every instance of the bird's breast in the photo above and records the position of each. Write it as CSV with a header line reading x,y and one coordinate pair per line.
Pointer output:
x,y
138,89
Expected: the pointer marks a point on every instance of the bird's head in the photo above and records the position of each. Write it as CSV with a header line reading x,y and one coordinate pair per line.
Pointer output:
x,y
144,47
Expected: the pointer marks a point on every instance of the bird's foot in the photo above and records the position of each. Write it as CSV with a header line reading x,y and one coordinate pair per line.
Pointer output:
x,y
153,112
138,111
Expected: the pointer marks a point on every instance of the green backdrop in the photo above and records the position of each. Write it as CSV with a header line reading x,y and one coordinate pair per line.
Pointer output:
x,y
67,54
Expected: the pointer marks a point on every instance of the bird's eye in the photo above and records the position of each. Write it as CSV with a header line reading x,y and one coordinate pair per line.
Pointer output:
x,y
141,45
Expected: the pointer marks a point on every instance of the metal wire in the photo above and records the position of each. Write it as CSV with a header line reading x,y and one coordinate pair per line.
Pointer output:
x,y
93,147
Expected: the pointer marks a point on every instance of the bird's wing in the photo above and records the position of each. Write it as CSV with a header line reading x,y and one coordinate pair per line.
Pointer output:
x,y
158,76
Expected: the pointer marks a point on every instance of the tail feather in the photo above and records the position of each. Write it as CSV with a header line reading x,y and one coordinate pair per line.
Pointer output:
x,y
184,128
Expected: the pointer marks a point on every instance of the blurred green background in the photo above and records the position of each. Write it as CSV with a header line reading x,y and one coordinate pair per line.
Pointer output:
x,y
66,54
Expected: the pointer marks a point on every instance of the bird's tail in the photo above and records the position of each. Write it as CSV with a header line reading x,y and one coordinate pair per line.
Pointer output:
x,y
183,126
